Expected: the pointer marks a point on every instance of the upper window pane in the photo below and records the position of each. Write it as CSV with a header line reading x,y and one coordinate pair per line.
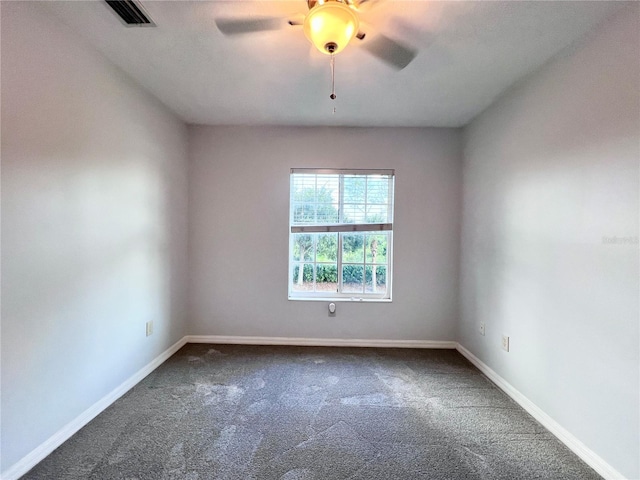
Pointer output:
x,y
328,188
355,188
330,199
303,188
377,189
327,213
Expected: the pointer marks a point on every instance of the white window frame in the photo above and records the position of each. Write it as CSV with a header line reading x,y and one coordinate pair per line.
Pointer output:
x,y
340,229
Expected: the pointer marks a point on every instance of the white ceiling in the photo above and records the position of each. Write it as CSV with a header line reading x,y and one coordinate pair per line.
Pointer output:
x,y
469,52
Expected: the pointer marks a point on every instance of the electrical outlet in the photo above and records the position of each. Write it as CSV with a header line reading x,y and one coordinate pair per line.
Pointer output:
x,y
149,327
481,328
505,343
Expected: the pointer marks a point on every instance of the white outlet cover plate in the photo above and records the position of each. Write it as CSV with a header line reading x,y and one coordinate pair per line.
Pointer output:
x,y
505,343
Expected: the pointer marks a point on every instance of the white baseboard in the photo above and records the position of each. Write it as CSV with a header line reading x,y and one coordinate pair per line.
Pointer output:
x,y
575,445
319,342
39,453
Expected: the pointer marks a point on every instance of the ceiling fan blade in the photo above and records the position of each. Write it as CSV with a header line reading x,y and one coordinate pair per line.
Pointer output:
x,y
233,26
365,5
391,52
296,20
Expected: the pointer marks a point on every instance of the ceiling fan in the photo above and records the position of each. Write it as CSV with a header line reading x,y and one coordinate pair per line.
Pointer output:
x,y
330,25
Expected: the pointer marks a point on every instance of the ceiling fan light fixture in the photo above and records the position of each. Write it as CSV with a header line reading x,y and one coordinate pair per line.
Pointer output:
x,y
330,26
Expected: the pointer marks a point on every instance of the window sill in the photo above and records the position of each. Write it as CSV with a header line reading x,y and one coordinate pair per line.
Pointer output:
x,y
340,299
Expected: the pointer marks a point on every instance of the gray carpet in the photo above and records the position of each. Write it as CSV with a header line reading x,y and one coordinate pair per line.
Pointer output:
x,y
301,413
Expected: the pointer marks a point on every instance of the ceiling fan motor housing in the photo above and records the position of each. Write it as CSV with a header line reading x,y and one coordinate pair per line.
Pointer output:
x,y
330,26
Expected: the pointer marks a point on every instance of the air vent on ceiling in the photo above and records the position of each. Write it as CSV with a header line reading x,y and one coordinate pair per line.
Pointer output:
x,y
131,13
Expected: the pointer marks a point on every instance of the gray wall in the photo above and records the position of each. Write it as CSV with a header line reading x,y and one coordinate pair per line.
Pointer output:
x,y
94,201
239,213
550,176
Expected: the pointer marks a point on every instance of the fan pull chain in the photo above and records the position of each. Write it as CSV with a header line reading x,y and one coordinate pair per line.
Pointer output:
x,y
333,79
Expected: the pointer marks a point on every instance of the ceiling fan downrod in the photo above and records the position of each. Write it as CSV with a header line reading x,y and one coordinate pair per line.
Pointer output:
x,y
333,78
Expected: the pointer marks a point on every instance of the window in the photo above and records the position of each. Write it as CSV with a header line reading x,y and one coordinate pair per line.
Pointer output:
x,y
340,234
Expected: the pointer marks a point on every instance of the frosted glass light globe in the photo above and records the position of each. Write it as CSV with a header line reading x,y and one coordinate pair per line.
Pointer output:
x,y
330,26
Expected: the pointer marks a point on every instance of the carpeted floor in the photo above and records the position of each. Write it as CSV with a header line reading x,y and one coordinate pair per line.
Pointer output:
x,y
301,413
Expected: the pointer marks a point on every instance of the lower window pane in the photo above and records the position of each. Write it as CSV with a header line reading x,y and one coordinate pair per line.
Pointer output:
x,y
353,247
353,278
376,279
302,283
302,247
327,278
376,248
326,247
